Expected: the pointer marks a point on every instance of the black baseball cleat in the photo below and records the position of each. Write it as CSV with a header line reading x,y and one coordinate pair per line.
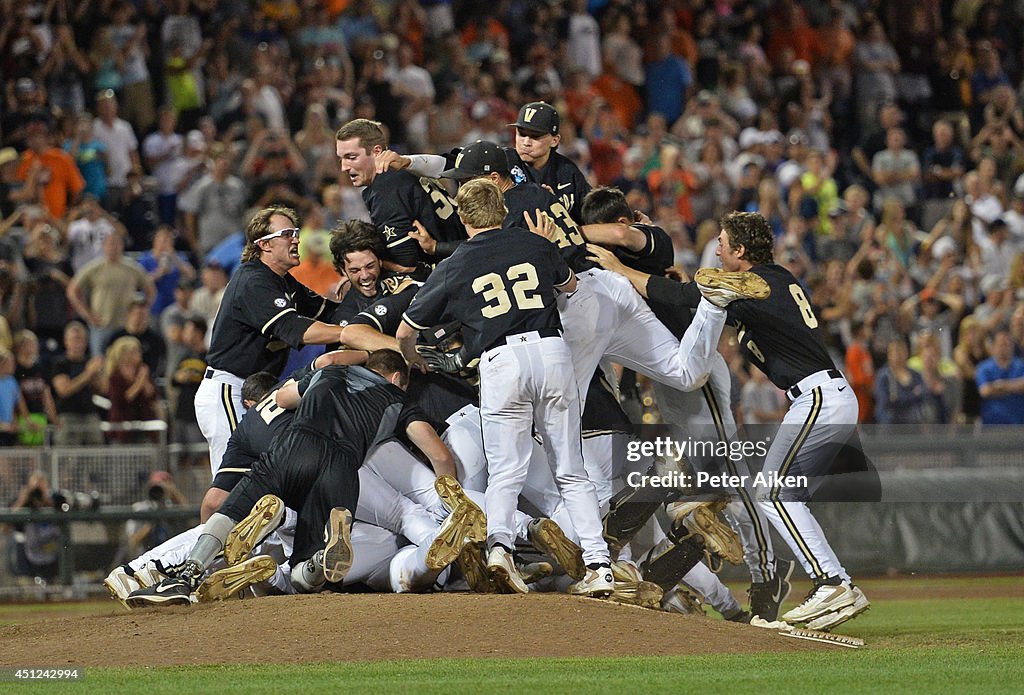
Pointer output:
x,y
738,616
169,592
767,597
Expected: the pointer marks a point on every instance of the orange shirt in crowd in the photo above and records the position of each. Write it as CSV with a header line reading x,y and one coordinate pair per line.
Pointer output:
x,y
65,179
681,182
621,96
860,372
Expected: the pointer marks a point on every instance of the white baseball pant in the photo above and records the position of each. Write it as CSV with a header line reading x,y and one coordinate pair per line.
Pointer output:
x,y
606,317
707,415
817,422
219,409
529,383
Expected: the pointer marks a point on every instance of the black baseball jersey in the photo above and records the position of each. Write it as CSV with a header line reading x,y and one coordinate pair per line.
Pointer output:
x,y
352,406
439,395
564,178
261,315
396,198
528,198
656,255
496,284
780,334
602,413
254,434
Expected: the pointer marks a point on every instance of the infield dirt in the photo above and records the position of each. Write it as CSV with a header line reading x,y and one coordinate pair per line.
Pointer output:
x,y
361,627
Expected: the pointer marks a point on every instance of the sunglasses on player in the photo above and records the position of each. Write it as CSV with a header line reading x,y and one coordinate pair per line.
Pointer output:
x,y
288,233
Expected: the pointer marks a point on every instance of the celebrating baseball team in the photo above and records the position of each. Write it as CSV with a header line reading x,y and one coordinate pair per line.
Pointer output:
x,y
463,430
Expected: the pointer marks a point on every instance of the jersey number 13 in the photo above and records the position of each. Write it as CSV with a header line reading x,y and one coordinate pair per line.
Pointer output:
x,y
523,279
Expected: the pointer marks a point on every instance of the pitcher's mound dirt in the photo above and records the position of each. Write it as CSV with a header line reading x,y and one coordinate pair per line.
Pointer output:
x,y
355,627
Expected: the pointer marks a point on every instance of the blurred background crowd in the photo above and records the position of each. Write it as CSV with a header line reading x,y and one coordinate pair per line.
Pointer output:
x,y
882,140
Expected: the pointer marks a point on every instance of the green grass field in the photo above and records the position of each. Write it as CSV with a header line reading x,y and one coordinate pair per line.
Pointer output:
x,y
913,645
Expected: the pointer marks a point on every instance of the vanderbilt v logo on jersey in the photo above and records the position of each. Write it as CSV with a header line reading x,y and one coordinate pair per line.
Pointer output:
x,y
528,114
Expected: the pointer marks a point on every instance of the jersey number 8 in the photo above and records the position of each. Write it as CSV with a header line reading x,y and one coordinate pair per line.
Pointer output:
x,y
523,277
805,306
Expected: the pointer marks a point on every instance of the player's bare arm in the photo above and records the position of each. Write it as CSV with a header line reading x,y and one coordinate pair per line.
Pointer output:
x,y
607,260
615,234
320,333
359,336
342,357
288,395
426,440
407,346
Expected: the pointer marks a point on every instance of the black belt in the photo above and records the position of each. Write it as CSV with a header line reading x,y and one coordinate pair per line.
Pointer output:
x,y
794,391
209,372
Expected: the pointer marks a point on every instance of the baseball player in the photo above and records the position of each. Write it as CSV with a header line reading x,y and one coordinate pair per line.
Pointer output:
x,y
502,287
781,336
605,317
343,412
535,157
396,198
264,311
706,413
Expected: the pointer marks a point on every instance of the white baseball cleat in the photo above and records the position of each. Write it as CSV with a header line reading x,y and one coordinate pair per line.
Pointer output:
x,y
826,597
599,583
503,572
120,583
150,574
834,619
722,287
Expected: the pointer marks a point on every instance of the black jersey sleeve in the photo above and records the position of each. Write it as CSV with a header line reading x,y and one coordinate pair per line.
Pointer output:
x,y
428,306
269,306
385,315
672,293
309,303
656,255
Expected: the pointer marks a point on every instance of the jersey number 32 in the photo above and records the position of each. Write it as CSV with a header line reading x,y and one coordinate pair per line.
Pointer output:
x,y
523,278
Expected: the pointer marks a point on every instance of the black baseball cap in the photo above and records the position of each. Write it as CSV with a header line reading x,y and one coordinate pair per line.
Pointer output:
x,y
477,159
538,116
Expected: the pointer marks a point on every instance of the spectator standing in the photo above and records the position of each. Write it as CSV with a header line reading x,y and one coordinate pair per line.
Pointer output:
x,y
90,156
763,403
166,268
122,148
12,405
89,228
76,379
130,388
899,392
103,289
161,151
151,341
34,387
1001,384
61,181
186,377
877,66
129,40
668,79
47,309
896,171
942,162
215,205
206,299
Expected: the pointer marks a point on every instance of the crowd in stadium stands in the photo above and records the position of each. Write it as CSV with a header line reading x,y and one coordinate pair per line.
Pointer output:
x,y
884,142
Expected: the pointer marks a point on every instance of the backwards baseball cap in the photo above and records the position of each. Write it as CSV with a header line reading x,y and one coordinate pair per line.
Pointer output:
x,y
538,116
477,159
